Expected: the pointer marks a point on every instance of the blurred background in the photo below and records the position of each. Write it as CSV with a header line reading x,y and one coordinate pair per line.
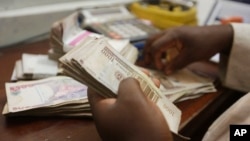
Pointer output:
x,y
29,20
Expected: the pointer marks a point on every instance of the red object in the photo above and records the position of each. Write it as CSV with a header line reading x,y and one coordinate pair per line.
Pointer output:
x,y
232,19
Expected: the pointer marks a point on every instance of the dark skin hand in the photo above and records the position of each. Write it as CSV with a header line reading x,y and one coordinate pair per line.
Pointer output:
x,y
129,117
132,116
193,44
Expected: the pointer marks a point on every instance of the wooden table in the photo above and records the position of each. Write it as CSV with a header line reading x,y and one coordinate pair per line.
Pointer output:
x,y
80,129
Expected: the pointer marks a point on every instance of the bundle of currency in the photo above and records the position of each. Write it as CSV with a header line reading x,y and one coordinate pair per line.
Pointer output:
x,y
183,84
34,66
65,34
68,33
98,65
54,96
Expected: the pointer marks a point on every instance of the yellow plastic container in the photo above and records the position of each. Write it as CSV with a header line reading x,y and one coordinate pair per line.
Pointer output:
x,y
163,18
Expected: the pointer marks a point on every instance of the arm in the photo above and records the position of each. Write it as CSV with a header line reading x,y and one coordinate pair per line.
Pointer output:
x,y
200,43
235,67
235,75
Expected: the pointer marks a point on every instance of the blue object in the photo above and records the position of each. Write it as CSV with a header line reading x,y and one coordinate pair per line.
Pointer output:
x,y
140,46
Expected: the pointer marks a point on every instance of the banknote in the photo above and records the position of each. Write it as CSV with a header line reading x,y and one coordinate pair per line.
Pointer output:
x,y
73,109
182,83
19,70
37,66
34,66
58,90
102,68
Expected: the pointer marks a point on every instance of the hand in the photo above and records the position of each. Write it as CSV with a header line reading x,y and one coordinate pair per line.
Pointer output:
x,y
129,117
192,43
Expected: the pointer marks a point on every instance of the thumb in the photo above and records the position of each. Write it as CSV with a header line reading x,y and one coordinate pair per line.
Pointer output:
x,y
130,90
175,64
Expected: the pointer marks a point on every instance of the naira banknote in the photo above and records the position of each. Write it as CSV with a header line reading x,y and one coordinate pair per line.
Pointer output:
x,y
49,92
98,65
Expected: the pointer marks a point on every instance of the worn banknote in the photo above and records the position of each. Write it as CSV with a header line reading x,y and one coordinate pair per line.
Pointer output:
x,y
102,68
182,83
54,91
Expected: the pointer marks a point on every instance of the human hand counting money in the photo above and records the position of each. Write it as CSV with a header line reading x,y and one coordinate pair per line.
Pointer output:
x,y
131,116
187,44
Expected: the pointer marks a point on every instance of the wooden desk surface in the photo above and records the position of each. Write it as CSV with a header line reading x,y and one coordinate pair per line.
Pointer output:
x,y
66,129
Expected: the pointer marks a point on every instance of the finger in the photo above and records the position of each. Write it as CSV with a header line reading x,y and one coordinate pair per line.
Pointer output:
x,y
147,72
160,47
148,44
156,82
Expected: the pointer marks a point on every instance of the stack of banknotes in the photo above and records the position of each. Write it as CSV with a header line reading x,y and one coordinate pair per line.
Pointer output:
x,y
34,66
98,65
53,96
68,33
183,84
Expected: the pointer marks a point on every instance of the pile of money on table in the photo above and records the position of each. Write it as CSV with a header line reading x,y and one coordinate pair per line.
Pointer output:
x,y
79,59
